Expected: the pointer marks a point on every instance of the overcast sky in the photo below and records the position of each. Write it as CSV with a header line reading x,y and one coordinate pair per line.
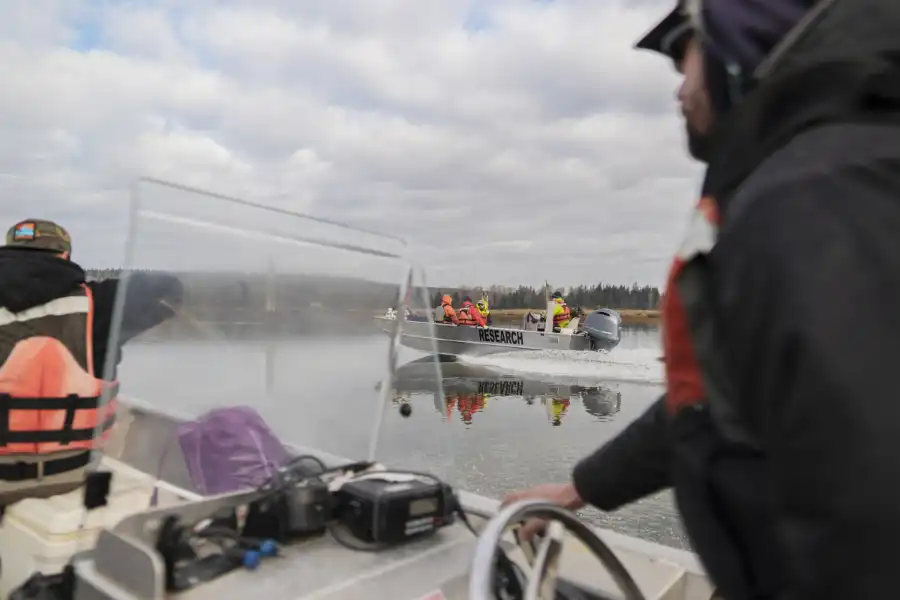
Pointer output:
x,y
510,141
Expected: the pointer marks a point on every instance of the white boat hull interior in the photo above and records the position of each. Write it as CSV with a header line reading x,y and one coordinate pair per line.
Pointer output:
x,y
123,564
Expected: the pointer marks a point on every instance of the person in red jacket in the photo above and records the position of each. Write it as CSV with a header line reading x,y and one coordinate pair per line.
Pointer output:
x,y
470,315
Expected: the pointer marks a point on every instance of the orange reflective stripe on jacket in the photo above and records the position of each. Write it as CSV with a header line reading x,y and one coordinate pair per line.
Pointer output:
x,y
50,399
684,378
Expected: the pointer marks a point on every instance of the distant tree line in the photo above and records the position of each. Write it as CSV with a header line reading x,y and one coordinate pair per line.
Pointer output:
x,y
218,294
613,296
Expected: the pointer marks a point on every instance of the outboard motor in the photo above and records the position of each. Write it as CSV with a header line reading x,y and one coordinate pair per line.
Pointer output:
x,y
604,328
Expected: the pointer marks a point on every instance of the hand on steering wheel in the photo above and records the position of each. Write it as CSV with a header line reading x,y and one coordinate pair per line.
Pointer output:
x,y
540,582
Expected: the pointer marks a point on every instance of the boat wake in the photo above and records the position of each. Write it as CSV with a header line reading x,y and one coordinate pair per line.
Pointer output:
x,y
630,365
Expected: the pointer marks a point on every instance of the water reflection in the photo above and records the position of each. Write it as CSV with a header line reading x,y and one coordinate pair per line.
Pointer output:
x,y
509,443
469,389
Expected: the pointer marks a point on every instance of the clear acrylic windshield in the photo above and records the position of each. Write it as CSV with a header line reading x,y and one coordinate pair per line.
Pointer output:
x,y
240,323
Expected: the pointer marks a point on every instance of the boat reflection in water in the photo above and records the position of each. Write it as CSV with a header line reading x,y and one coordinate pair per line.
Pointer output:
x,y
467,390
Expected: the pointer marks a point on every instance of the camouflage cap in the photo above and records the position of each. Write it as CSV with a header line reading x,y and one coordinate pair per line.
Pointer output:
x,y
39,234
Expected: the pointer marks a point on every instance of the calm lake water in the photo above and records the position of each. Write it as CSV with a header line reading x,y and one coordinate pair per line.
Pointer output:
x,y
489,425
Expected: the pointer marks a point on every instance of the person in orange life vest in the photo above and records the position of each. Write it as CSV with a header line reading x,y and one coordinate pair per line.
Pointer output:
x,y
780,428
449,314
469,314
561,313
54,327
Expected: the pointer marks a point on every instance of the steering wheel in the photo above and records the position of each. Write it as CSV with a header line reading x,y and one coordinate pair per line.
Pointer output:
x,y
540,582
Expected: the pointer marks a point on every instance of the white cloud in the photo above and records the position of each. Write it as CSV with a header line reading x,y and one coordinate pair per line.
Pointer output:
x,y
509,140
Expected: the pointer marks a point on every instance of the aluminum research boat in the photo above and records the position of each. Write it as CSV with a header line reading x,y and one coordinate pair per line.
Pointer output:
x,y
601,330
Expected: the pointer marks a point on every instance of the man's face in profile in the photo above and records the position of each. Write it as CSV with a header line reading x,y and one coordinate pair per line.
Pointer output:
x,y
693,98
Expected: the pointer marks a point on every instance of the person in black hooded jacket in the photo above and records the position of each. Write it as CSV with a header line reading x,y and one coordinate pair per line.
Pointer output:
x,y
779,429
36,267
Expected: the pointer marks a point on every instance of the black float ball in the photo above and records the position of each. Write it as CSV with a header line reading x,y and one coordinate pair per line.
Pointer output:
x,y
405,409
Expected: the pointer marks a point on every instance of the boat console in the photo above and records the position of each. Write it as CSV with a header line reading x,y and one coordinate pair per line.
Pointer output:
x,y
350,532
355,531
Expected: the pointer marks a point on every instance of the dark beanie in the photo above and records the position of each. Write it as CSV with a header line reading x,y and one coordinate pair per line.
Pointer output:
x,y
742,33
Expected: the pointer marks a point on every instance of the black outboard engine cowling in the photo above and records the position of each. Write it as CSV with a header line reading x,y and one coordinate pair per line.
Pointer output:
x,y
604,328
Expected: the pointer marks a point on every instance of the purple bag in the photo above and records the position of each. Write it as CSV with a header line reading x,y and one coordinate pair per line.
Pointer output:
x,y
228,449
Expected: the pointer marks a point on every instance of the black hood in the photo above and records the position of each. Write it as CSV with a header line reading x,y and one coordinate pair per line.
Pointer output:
x,y
841,63
32,277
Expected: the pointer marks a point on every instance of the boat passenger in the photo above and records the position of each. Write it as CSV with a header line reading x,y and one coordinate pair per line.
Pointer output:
x,y
561,313
449,315
482,306
469,314
54,327
780,426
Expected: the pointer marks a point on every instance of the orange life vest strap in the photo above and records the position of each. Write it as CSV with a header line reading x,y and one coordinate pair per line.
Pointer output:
x,y
89,330
66,435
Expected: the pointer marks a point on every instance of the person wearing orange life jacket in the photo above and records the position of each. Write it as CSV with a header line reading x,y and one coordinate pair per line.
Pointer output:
x,y
561,313
469,314
449,317
57,392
